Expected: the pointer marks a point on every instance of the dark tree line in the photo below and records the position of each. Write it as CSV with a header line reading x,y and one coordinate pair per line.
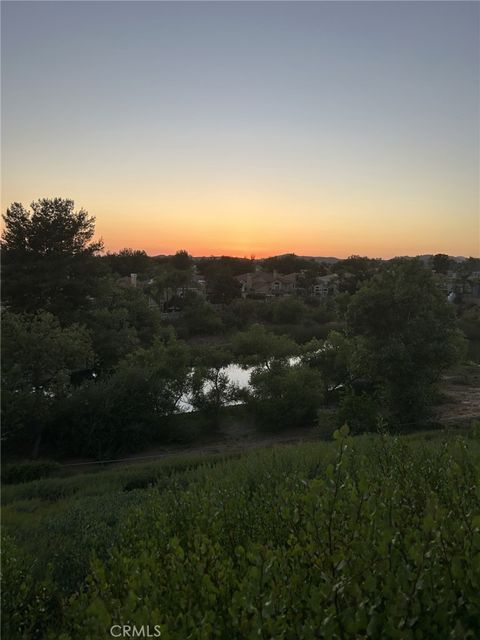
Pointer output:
x,y
91,367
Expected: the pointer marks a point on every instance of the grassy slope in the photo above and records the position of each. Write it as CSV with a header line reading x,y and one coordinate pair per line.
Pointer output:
x,y
209,524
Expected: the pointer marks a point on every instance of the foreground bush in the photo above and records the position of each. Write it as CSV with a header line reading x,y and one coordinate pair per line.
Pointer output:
x,y
372,537
28,471
284,396
376,538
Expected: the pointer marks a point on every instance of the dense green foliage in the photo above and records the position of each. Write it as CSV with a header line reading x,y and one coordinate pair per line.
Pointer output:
x,y
48,257
374,537
88,371
28,471
210,386
38,360
405,336
285,395
128,409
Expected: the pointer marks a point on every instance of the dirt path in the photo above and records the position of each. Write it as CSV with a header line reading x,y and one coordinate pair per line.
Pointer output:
x,y
460,406
462,403
226,441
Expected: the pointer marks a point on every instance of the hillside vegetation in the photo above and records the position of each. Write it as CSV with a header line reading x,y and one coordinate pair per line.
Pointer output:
x,y
367,537
101,353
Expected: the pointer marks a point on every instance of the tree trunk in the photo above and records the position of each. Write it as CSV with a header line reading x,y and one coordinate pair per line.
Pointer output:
x,y
37,443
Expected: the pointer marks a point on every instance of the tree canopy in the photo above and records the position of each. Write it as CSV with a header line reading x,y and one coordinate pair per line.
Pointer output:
x,y
48,257
52,227
405,336
38,359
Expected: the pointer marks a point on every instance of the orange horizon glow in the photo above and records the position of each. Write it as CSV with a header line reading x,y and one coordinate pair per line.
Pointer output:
x,y
205,252
274,226
314,128
263,224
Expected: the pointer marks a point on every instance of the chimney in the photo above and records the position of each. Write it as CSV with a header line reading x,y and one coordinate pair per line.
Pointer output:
x,y
133,279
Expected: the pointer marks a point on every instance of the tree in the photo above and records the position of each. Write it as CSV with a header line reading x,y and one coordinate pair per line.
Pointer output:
x,y
113,336
288,311
240,313
223,287
53,227
48,257
39,357
359,410
199,317
132,406
169,286
441,263
211,386
285,396
331,357
235,266
260,347
405,335
353,271
129,261
290,263
165,370
182,260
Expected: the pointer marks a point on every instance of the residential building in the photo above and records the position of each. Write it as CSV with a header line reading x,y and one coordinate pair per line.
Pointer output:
x,y
266,284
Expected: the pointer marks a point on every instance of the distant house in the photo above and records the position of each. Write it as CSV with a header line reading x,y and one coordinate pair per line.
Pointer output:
x,y
132,282
199,284
261,283
196,284
452,282
474,283
128,281
325,286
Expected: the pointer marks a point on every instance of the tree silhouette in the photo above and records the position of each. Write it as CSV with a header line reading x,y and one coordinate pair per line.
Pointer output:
x,y
48,257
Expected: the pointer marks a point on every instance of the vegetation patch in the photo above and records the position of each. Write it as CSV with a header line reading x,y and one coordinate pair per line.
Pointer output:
x,y
366,537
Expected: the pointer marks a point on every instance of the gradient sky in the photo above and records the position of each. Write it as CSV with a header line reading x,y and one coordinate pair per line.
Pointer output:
x,y
326,128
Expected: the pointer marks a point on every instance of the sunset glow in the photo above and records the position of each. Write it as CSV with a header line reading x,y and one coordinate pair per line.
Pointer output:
x,y
249,128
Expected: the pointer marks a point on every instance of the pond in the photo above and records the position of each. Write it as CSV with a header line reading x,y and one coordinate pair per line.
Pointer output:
x,y
240,376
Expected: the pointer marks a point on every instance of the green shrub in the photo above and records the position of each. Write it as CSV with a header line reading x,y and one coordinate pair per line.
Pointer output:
x,y
359,411
367,537
357,548
28,605
285,396
142,480
28,471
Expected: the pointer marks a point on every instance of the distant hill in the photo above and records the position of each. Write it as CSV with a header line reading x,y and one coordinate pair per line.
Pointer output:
x,y
329,259
426,257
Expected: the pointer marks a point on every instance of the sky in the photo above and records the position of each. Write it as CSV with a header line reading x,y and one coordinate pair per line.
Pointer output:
x,y
249,128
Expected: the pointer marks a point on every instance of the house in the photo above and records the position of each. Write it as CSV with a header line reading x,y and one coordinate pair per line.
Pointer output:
x,y
460,285
325,286
474,283
262,283
128,281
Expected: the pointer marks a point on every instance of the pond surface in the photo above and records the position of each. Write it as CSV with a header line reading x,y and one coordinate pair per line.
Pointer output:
x,y
235,373
240,376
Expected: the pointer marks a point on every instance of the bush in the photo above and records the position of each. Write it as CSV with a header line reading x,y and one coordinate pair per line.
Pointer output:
x,y
359,411
288,311
28,471
378,540
46,489
28,605
285,396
